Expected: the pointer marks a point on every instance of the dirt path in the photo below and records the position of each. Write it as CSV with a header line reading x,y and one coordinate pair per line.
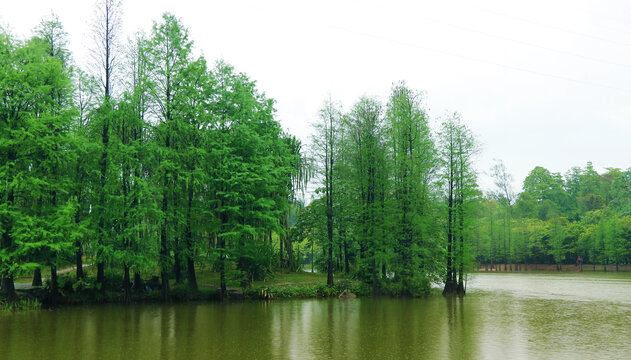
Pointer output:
x,y
28,286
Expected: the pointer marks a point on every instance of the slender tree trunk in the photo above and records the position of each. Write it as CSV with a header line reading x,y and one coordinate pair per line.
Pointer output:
x,y
460,214
222,269
177,261
289,250
164,252
450,283
375,286
79,260
78,246
346,261
329,225
280,243
190,263
126,284
340,256
329,272
100,267
54,284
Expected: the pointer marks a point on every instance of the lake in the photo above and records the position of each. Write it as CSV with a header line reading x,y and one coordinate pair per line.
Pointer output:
x,y
503,316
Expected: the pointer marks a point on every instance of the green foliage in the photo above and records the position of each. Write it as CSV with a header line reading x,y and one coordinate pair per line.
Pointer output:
x,y
557,220
23,304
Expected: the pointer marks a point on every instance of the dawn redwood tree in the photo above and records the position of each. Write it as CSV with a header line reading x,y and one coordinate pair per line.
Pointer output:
x,y
367,158
325,153
249,165
168,58
35,147
51,34
105,53
457,148
506,196
412,155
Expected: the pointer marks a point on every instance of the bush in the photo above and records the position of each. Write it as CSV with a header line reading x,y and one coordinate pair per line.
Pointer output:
x,y
292,292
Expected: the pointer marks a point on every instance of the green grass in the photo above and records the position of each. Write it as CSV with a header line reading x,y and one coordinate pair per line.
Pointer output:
x,y
290,278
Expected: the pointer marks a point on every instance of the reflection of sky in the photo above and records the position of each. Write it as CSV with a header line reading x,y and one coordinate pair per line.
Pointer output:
x,y
573,288
550,316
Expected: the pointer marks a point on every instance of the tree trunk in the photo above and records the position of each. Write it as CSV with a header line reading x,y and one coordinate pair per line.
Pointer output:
x,y
54,284
126,284
346,262
177,264
79,260
375,287
450,281
190,262
329,271
190,270
37,277
280,243
100,268
8,287
289,250
164,251
222,270
139,285
166,291
340,256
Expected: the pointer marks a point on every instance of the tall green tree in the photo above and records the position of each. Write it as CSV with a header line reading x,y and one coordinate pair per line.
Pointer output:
x,y
457,148
412,154
169,57
325,153
35,118
506,196
367,158
105,53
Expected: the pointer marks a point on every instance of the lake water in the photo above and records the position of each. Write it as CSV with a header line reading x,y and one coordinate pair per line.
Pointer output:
x,y
503,316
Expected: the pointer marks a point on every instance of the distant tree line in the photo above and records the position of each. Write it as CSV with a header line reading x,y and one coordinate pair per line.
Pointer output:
x,y
556,219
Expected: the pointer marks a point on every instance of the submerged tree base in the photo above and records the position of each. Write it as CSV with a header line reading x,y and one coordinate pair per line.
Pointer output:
x,y
454,289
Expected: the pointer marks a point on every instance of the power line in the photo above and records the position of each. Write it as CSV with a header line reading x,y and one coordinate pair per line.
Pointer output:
x,y
535,22
304,20
489,62
504,38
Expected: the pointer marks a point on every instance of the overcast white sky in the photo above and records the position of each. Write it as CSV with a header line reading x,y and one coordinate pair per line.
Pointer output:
x,y
541,83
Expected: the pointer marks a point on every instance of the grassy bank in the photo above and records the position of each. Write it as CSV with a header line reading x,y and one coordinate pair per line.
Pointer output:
x,y
280,285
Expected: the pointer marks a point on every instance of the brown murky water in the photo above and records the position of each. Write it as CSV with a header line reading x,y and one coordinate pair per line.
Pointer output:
x,y
504,316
